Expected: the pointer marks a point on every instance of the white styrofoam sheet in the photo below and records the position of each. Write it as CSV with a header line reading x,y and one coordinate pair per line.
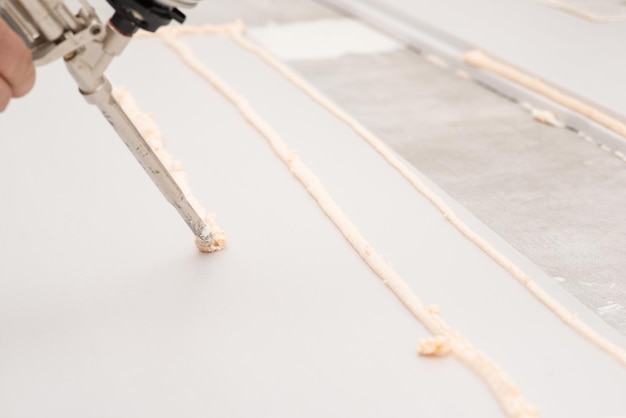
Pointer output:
x,y
107,309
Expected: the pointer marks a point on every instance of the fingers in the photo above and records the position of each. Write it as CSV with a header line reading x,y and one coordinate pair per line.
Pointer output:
x,y
5,94
16,63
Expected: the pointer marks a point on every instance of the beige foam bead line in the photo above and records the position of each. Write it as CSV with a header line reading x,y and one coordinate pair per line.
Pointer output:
x,y
504,389
437,346
480,59
237,32
223,29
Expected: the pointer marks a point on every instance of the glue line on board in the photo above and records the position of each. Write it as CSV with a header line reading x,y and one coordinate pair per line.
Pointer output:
x,y
446,339
237,30
483,61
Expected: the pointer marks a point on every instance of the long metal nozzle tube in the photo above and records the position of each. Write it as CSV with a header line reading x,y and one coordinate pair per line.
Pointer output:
x,y
87,69
88,48
160,175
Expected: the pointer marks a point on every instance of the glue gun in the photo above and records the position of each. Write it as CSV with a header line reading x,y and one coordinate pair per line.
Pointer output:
x,y
52,31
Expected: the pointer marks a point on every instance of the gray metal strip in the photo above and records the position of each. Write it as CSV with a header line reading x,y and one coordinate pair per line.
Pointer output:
x,y
430,40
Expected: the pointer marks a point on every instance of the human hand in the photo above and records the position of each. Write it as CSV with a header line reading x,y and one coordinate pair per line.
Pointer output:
x,y
17,72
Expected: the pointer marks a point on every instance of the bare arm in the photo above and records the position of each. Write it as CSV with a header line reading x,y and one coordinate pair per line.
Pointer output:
x,y
17,72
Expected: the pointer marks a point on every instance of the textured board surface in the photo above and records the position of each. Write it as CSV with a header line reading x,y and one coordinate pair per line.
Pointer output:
x,y
108,309
555,194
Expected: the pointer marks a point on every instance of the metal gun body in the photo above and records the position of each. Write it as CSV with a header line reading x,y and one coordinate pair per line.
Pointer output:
x,y
88,46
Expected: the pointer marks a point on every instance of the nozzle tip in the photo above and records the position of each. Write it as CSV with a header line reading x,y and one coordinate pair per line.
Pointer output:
x,y
211,238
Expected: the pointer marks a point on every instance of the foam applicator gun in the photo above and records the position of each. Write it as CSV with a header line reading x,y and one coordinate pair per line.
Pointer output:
x,y
88,46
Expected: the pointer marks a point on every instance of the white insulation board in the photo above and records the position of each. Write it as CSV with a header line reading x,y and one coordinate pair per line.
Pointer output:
x,y
107,308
